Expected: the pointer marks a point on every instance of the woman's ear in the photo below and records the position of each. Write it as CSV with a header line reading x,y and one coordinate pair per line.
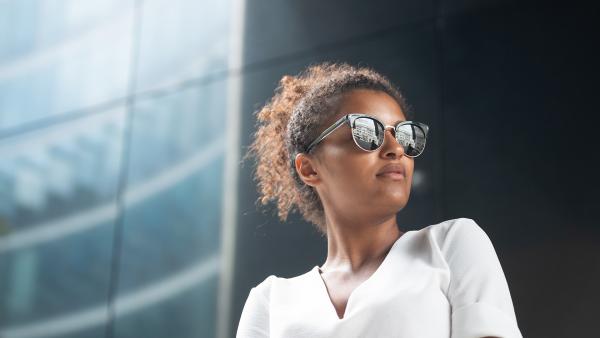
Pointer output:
x,y
306,169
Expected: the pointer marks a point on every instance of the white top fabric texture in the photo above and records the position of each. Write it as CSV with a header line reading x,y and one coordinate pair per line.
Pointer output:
x,y
444,280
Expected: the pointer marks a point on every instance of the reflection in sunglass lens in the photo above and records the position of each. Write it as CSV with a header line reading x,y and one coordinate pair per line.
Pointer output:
x,y
367,133
412,138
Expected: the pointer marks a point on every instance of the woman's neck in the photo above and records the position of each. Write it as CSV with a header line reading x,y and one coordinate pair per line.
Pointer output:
x,y
350,248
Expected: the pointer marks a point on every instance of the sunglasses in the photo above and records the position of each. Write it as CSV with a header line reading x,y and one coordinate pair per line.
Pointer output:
x,y
368,133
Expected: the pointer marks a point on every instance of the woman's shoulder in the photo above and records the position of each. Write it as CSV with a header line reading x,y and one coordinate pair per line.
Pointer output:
x,y
452,224
459,237
264,287
463,243
456,230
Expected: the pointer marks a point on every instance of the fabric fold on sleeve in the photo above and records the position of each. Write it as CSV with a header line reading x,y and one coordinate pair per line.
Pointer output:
x,y
478,291
482,320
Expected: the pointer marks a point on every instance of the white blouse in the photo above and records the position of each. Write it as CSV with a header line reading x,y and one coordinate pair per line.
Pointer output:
x,y
444,280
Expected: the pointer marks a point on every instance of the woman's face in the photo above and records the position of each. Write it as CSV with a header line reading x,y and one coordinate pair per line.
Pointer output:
x,y
348,181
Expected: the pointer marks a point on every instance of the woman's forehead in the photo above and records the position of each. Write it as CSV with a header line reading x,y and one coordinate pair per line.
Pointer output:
x,y
370,102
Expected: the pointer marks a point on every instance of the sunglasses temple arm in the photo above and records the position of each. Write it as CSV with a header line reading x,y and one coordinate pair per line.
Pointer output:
x,y
322,136
327,131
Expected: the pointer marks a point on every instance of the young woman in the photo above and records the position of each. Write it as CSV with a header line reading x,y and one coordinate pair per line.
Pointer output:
x,y
335,143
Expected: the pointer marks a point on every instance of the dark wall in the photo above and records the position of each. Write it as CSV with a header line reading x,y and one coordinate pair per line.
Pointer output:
x,y
507,90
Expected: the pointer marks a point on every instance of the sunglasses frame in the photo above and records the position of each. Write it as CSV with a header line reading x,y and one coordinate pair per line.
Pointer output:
x,y
350,118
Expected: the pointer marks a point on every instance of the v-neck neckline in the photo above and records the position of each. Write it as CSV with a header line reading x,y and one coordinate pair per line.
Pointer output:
x,y
325,292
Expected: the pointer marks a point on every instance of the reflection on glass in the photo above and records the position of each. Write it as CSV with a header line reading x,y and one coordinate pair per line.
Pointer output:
x,y
182,40
59,177
62,56
57,219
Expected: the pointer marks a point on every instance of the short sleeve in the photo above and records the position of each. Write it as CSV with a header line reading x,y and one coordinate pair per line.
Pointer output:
x,y
478,291
254,320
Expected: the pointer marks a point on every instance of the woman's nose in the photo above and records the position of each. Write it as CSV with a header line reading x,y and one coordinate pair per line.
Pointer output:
x,y
392,143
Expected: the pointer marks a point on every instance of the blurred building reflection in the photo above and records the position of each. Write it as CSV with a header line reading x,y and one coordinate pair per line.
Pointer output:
x,y
111,166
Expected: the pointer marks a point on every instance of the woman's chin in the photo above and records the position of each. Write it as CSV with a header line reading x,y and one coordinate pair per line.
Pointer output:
x,y
394,193
395,201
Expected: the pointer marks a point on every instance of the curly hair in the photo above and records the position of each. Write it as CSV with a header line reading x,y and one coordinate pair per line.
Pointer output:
x,y
292,119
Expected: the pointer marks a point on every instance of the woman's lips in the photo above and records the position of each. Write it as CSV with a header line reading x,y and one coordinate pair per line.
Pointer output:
x,y
392,175
392,168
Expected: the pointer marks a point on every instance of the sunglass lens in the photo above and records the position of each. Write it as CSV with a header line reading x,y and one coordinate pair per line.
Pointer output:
x,y
412,138
367,133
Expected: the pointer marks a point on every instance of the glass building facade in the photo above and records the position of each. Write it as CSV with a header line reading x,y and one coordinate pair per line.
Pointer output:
x,y
112,155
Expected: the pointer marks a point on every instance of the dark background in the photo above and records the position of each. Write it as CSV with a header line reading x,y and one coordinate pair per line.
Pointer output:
x,y
509,91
